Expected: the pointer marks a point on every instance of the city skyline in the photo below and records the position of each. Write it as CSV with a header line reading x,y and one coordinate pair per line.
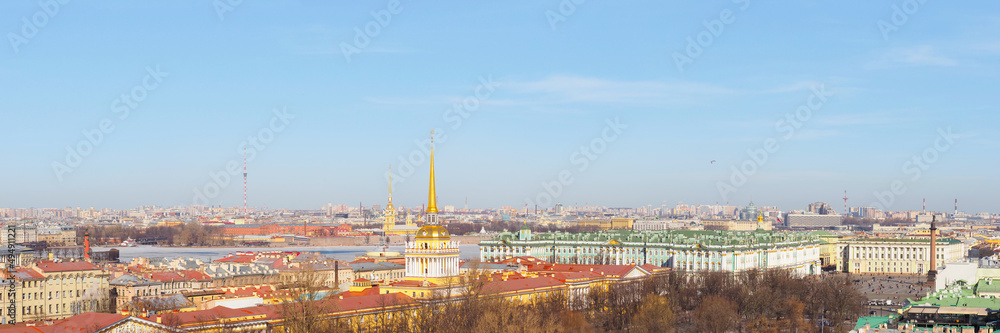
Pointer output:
x,y
672,131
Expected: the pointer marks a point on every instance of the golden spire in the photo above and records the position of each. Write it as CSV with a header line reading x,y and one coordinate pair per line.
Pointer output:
x,y
432,194
390,184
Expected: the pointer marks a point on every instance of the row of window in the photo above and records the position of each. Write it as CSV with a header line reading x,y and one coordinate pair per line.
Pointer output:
x,y
57,295
59,280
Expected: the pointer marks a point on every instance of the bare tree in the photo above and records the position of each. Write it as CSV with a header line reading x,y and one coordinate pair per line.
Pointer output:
x,y
715,315
304,309
654,315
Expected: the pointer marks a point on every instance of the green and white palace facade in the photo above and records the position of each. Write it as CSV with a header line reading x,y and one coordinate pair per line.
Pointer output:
x,y
686,250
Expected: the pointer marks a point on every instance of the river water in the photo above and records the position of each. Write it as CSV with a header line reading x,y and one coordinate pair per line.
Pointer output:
x,y
346,253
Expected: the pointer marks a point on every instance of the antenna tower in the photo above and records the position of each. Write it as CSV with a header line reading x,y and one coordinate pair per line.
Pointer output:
x,y
244,181
845,202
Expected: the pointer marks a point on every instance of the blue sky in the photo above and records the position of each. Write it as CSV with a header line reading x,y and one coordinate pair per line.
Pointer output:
x,y
559,79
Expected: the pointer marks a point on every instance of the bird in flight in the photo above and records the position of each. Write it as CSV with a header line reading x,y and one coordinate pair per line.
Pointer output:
x,y
713,162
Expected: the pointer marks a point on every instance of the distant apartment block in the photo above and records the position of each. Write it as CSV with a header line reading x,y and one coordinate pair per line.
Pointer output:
x,y
652,225
57,235
821,208
734,225
616,223
813,221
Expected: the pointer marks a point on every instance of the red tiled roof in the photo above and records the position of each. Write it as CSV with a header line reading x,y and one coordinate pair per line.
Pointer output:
x,y
370,301
274,311
520,284
28,273
653,268
167,276
67,266
565,276
19,329
84,323
195,275
209,315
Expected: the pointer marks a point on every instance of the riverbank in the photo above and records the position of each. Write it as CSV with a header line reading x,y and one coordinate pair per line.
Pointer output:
x,y
316,242
393,240
207,254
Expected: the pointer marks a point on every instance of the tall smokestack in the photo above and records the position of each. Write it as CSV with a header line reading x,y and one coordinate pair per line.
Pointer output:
x,y
86,246
932,273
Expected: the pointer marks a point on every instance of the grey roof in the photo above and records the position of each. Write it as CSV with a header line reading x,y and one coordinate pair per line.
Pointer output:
x,y
185,263
171,302
130,280
487,266
157,261
224,270
308,256
375,266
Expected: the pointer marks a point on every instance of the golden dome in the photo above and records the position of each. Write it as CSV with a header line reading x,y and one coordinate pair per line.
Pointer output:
x,y
432,231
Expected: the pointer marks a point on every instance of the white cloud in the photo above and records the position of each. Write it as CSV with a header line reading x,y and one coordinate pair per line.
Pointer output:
x,y
559,89
814,134
919,56
564,93
862,119
992,48
795,86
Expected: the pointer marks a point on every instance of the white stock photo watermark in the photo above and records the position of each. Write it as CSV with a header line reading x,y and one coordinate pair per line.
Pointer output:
x,y
31,27
565,9
219,180
456,115
899,17
581,158
373,28
704,39
123,107
758,157
225,6
915,167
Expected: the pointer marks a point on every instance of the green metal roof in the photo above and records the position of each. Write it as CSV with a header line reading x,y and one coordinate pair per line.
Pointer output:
x,y
984,286
946,241
873,321
962,295
673,238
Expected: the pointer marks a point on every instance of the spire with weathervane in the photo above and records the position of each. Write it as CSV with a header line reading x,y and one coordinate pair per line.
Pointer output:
x,y
432,256
390,211
432,208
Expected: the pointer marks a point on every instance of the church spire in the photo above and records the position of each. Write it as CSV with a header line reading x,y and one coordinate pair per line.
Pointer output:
x,y
390,184
431,193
